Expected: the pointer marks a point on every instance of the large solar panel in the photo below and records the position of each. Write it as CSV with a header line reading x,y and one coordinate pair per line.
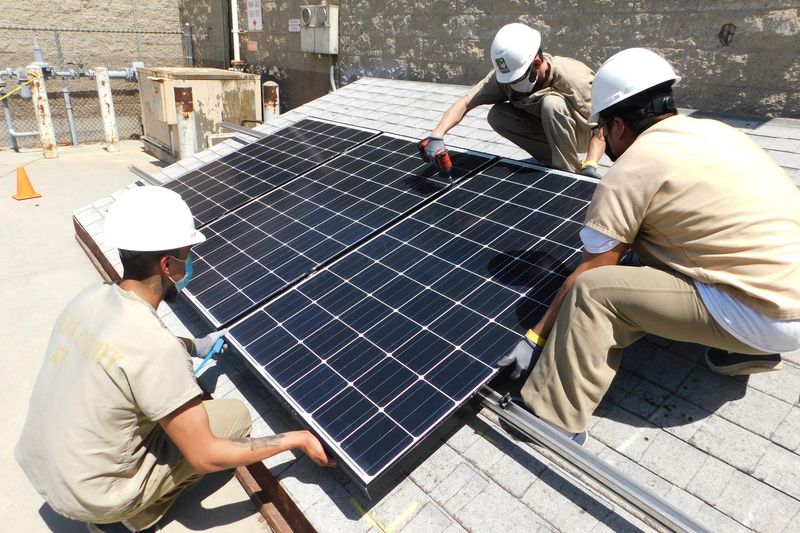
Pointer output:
x,y
234,179
378,349
263,247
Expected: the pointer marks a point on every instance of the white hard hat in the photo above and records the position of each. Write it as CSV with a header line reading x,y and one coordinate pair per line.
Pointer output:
x,y
513,50
150,219
625,74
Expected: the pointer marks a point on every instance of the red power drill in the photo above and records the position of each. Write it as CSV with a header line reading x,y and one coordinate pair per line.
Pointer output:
x,y
443,162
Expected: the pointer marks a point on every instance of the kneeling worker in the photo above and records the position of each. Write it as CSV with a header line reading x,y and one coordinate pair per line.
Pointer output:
x,y
116,427
715,220
541,103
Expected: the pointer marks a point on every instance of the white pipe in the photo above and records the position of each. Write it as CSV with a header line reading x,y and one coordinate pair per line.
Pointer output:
x,y
107,109
235,30
187,130
42,107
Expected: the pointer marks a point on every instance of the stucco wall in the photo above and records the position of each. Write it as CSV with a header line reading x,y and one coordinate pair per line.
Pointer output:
x,y
756,71
92,49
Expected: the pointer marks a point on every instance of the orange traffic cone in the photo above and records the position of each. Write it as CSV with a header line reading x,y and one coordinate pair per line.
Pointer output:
x,y
24,188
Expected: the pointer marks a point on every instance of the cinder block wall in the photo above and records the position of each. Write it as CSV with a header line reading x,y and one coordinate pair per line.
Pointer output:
x,y
93,49
751,67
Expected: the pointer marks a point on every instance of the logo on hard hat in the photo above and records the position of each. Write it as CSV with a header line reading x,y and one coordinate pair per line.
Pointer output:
x,y
501,65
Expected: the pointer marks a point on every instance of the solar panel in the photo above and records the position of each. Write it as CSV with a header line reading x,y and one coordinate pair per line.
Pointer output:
x,y
263,247
378,349
234,179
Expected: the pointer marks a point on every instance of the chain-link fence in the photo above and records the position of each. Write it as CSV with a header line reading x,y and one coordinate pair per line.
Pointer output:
x,y
78,50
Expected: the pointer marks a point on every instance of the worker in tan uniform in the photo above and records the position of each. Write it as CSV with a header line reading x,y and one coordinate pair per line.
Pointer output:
x,y
716,224
541,103
116,427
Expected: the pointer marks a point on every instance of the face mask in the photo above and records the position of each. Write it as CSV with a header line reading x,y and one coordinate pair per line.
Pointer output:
x,y
188,270
525,86
609,153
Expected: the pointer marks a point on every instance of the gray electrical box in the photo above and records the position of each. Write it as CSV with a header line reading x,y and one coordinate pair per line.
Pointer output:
x,y
319,29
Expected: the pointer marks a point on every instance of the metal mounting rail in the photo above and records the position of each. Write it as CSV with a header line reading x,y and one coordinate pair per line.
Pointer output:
x,y
654,506
241,129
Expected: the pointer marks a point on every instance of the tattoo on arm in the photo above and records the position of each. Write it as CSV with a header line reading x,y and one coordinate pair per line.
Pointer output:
x,y
260,442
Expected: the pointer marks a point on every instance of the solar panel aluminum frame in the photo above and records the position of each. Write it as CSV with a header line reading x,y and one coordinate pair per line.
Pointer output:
x,y
373,484
444,184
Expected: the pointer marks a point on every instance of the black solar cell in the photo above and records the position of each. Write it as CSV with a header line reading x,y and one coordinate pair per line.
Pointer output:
x,y
263,247
234,179
380,347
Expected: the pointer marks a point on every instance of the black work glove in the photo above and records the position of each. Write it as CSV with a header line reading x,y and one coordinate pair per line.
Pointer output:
x,y
523,356
589,169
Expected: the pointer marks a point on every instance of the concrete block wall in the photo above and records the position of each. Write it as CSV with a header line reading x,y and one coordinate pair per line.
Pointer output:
x,y
748,67
93,49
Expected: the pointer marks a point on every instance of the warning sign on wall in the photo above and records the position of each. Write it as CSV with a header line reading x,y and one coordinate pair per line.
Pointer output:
x,y
254,21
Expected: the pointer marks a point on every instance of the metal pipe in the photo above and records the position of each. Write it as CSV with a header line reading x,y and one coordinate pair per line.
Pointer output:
x,y
107,109
270,95
14,134
553,440
187,129
136,27
333,65
42,106
73,132
235,29
187,45
241,129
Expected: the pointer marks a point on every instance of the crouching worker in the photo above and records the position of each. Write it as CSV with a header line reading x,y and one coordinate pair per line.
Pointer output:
x,y
116,427
716,222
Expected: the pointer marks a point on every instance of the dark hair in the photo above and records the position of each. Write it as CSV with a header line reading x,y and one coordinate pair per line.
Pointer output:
x,y
643,109
141,265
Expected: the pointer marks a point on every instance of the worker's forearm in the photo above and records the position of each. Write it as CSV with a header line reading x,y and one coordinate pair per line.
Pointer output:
x,y
230,453
189,344
596,148
452,117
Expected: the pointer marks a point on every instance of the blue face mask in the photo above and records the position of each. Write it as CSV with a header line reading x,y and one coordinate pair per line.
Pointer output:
x,y
188,270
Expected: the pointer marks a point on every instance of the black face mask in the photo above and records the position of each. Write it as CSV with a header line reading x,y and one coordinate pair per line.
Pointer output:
x,y
610,153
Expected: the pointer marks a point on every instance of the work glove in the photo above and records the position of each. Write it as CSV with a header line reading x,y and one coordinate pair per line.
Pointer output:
x,y
589,169
203,345
524,354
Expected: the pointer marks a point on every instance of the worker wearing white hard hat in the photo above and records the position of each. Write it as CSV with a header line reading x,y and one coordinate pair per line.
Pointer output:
x,y
116,427
714,224
541,103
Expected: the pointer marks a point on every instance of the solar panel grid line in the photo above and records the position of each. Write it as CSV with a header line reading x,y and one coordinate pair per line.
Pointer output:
x,y
311,221
375,422
239,177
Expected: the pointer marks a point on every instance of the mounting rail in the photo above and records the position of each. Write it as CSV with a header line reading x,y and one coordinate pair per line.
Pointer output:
x,y
654,506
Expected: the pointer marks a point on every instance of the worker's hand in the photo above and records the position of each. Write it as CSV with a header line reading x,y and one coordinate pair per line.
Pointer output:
x,y
523,356
203,345
314,450
589,168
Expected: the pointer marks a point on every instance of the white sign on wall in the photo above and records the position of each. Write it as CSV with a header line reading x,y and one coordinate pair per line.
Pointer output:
x,y
254,20
294,25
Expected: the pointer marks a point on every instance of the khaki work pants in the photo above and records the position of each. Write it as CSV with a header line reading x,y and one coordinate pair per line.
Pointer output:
x,y
550,136
608,309
228,419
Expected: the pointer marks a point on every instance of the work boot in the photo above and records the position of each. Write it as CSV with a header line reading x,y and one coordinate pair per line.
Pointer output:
x,y
739,364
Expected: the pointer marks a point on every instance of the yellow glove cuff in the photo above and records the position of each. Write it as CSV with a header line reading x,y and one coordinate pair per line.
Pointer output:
x,y
589,163
535,338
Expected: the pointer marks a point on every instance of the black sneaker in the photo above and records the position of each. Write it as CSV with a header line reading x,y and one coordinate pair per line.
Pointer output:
x,y
739,364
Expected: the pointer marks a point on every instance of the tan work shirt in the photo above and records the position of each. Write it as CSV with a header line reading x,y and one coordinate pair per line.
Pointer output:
x,y
701,198
111,371
568,78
